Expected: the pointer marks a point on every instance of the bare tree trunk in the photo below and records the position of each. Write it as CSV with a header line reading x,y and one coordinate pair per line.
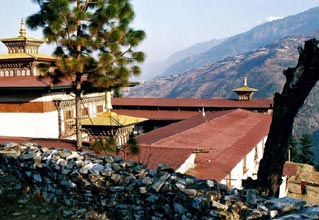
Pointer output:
x,y
299,82
78,112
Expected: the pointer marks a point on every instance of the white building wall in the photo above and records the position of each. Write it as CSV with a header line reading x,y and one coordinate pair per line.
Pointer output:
x,y
261,147
236,176
283,189
247,167
250,164
39,125
188,164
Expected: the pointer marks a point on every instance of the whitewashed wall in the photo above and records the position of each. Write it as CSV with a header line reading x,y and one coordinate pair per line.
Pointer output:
x,y
250,162
237,175
39,125
188,164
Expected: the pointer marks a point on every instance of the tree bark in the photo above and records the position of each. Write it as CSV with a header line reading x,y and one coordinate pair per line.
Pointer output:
x,y
78,113
299,82
78,90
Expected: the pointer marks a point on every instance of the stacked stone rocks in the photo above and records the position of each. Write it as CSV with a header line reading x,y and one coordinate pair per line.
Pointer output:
x,y
127,190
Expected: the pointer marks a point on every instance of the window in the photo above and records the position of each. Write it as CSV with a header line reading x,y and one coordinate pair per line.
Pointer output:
x,y
69,122
85,112
68,114
99,108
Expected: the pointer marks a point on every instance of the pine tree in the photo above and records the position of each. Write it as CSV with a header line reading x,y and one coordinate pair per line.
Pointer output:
x,y
306,153
293,149
92,39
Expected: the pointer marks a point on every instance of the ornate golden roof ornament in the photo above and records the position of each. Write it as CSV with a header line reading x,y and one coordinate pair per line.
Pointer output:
x,y
23,31
244,92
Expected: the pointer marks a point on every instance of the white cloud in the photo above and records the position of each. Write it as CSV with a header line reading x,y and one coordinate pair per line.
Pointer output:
x,y
272,18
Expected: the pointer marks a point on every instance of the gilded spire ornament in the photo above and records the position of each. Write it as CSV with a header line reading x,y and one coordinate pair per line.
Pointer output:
x,y
23,31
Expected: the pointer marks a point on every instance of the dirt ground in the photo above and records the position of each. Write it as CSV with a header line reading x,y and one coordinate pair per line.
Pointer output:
x,y
307,174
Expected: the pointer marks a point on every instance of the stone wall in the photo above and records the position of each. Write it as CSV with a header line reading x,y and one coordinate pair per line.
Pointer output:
x,y
127,190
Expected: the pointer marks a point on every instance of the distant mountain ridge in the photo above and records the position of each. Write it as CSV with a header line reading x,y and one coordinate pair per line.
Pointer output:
x,y
300,24
263,67
154,69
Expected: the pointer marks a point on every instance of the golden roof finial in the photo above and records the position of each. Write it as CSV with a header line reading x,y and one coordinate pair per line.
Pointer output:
x,y
245,81
23,31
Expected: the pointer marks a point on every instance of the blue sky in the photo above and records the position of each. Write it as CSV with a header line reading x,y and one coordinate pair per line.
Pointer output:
x,y
173,25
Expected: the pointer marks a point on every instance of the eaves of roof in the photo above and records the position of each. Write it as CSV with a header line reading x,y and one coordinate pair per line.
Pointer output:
x,y
31,83
157,114
198,103
22,56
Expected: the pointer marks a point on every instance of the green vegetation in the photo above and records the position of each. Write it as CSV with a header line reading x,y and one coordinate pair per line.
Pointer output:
x,y
306,153
109,147
294,149
301,151
94,40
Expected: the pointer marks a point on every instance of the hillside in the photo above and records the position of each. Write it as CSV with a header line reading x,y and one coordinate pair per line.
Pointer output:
x,y
300,24
263,68
154,69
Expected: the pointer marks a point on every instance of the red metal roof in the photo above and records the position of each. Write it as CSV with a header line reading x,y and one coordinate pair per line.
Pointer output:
x,y
180,102
224,137
28,82
157,114
176,128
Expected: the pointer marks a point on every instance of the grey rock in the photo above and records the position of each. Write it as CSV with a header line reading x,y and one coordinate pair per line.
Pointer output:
x,y
27,156
220,206
147,181
251,197
108,159
190,192
211,183
159,183
73,155
287,204
143,189
96,169
64,153
106,172
37,177
116,167
179,208
273,213
116,178
67,213
152,198
65,171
